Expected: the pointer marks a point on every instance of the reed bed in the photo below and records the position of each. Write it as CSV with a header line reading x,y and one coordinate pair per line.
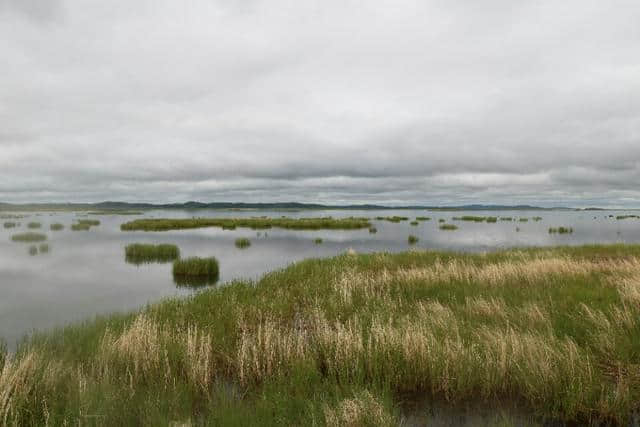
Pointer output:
x,y
347,340
243,243
394,218
318,240
10,224
412,240
165,224
423,218
560,230
141,253
29,237
56,226
414,223
448,227
34,225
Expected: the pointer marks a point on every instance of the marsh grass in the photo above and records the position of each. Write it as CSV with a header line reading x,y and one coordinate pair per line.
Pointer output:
x,y
9,224
506,218
33,250
34,224
29,237
537,218
141,253
89,222
318,241
229,227
165,224
523,219
80,227
43,248
448,227
414,223
619,217
345,340
561,230
195,271
441,220
243,243
56,226
394,218
115,212
423,218
373,230
412,240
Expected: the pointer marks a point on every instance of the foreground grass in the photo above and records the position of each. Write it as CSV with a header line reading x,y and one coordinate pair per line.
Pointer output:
x,y
165,224
343,341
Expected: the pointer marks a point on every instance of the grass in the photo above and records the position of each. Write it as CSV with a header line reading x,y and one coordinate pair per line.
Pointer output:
x,y
349,341
448,227
414,223
441,220
537,218
89,222
34,224
373,230
10,224
141,253
412,240
317,241
33,250
626,216
195,271
560,230
84,224
394,218
423,218
43,248
243,243
29,237
506,218
165,224
523,219
115,212
56,226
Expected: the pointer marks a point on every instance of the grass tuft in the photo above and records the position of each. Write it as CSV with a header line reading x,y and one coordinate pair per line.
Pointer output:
x,y
34,224
165,224
242,243
412,239
448,227
29,237
140,253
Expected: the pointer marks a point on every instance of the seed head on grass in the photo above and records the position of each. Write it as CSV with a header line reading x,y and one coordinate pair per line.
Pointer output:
x,y
318,241
195,271
9,224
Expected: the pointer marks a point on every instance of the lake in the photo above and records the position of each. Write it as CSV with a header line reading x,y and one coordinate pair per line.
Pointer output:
x,y
84,273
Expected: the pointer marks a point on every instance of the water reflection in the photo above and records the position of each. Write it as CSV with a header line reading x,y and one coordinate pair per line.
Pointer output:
x,y
194,282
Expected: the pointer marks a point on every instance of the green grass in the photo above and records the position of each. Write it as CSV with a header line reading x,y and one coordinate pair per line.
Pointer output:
x,y
523,219
29,237
537,218
34,224
10,224
195,271
56,226
43,248
626,216
318,241
242,243
506,218
141,253
394,218
164,224
441,220
373,230
414,223
561,230
115,212
353,340
448,227
412,240
80,227
89,222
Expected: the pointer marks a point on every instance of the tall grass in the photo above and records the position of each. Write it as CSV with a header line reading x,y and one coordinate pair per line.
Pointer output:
x,y
9,224
29,237
412,240
346,340
164,224
394,218
195,271
34,224
448,227
243,243
560,230
140,253
56,226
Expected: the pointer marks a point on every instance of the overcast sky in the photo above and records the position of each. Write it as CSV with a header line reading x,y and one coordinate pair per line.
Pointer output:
x,y
387,101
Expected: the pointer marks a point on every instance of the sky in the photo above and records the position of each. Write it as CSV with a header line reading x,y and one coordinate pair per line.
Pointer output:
x,y
436,102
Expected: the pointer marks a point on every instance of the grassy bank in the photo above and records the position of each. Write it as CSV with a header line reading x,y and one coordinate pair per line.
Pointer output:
x,y
348,340
165,224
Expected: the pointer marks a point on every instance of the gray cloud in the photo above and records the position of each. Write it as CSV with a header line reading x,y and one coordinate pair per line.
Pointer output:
x,y
382,101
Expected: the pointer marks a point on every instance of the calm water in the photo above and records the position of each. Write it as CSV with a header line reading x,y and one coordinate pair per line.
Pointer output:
x,y
85,272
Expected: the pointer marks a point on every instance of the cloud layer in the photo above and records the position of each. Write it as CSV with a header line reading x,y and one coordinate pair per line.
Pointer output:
x,y
387,101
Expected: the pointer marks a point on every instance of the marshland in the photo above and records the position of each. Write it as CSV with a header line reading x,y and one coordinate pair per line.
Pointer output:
x,y
472,283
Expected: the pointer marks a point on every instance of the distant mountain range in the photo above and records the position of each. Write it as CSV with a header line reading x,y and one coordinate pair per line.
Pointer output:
x,y
281,205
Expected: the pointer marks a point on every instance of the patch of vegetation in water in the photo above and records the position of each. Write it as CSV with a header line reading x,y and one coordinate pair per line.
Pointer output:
x,y
143,253
115,212
313,343
242,243
619,217
33,250
56,226
523,219
412,240
441,220
537,218
373,230
561,230
43,248
34,224
29,237
318,241
506,218
164,224
414,223
473,218
84,224
448,227
10,224
195,271
423,218
89,222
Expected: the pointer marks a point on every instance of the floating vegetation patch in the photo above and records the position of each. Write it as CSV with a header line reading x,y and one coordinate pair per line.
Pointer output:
x,y
56,226
523,219
229,227
242,243
29,237
141,253
423,218
164,224
448,227
115,213
561,230
394,218
627,216
195,271
33,250
412,240
43,248
441,220
414,223
10,224
537,218
317,241
89,222
84,224
474,218
34,224
373,230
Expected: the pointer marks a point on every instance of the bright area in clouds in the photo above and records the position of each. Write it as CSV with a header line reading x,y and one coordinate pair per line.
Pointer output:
x,y
386,101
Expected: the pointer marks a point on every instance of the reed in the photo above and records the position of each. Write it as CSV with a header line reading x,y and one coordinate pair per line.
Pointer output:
x,y
141,253
34,224
448,227
242,243
561,230
29,237
412,240
317,241
10,224
414,223
164,224
56,226
196,268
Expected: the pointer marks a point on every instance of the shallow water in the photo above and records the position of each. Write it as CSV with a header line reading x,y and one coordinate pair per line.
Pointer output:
x,y
85,273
